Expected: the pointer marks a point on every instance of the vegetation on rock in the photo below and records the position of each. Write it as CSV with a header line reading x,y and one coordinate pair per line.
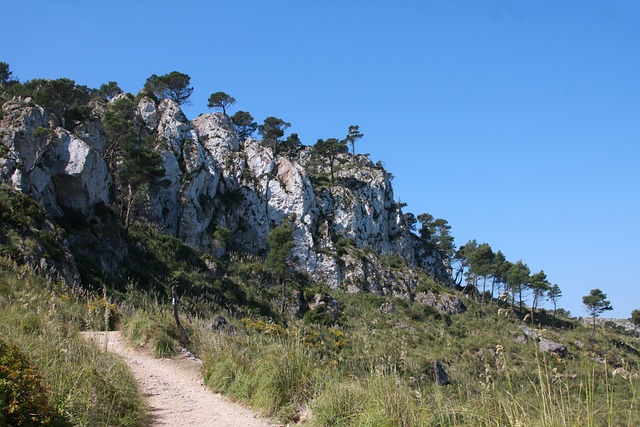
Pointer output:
x,y
283,326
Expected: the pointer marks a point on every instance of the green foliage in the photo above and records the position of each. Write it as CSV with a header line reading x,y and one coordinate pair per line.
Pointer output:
x,y
42,317
635,317
435,232
174,86
280,240
221,100
42,135
20,210
108,91
26,230
135,161
156,331
271,131
5,74
329,149
554,294
517,277
222,235
596,303
62,98
24,401
292,145
275,377
353,135
245,126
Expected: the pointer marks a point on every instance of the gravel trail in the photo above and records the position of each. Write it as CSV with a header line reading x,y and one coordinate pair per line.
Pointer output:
x,y
174,389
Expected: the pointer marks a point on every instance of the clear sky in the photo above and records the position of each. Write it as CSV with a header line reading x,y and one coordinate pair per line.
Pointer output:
x,y
516,121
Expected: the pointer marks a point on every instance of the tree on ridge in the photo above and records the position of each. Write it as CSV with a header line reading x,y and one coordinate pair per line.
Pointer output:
x,y
272,130
245,126
596,303
221,100
174,86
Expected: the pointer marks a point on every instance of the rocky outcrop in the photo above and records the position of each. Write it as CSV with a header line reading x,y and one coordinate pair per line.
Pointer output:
x,y
59,169
443,303
544,344
348,233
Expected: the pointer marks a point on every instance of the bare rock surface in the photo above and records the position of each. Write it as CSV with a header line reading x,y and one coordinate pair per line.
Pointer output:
x,y
174,390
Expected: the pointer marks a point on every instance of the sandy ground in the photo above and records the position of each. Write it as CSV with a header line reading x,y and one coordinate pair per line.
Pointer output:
x,y
174,389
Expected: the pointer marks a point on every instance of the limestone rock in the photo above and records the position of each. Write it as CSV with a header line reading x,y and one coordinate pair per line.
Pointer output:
x,y
57,168
544,344
444,303
349,234
553,347
386,308
326,306
148,111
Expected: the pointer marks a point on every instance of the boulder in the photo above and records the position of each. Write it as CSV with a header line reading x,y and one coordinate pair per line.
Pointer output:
x,y
443,303
553,347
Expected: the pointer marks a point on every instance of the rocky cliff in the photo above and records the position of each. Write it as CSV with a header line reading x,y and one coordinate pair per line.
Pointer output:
x,y
349,233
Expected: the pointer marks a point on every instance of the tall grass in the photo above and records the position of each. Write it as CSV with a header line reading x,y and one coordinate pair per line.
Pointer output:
x,y
153,329
381,373
278,377
43,317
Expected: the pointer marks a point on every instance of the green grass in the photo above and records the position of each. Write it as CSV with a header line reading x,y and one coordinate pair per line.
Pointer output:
x,y
381,372
365,369
42,318
157,331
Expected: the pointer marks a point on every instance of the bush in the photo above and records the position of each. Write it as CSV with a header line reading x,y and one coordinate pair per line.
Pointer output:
x,y
24,401
156,330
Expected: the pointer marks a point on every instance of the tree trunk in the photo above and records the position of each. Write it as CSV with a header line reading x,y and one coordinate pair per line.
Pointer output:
x,y
284,296
129,206
176,316
484,287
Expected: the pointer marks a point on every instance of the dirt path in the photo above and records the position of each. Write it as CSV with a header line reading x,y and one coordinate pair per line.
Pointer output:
x,y
174,390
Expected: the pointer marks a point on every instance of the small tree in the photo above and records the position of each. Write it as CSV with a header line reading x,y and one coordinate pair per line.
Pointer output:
x,y
221,100
461,259
435,233
271,131
135,163
329,148
353,135
174,86
518,276
554,294
245,126
596,303
280,241
63,99
539,286
5,75
291,145
635,318
108,90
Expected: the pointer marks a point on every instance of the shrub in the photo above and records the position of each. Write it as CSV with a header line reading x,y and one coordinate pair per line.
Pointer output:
x,y
24,401
156,330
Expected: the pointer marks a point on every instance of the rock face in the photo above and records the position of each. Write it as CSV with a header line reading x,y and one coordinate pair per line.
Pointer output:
x,y
344,232
58,169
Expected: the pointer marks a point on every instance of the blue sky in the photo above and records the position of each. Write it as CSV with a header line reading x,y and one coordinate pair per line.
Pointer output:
x,y
516,121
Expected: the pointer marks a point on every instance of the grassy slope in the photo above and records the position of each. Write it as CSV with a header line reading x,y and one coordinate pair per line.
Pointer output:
x,y
368,368
43,318
378,369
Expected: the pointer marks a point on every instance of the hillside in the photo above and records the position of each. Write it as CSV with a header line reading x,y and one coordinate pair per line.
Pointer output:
x,y
140,162
296,275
